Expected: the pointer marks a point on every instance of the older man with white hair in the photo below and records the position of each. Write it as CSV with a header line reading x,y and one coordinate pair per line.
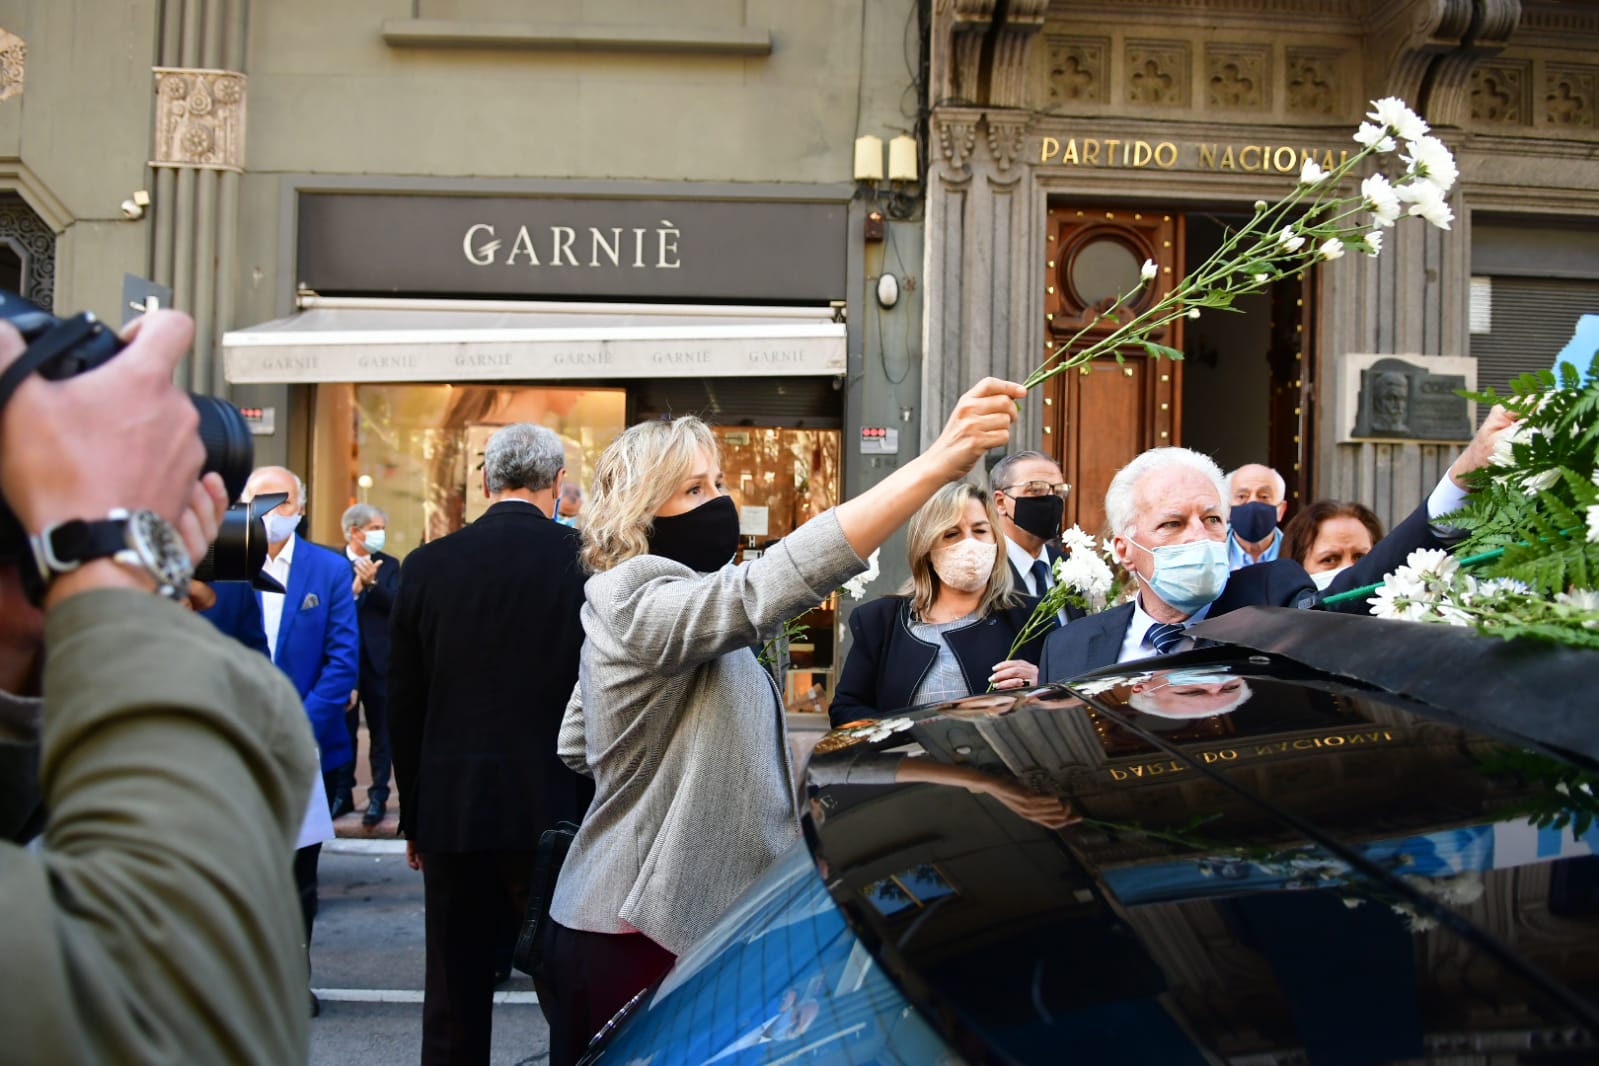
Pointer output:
x,y
1167,510
1259,498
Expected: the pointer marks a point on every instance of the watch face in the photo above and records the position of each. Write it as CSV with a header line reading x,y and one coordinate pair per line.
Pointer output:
x,y
159,549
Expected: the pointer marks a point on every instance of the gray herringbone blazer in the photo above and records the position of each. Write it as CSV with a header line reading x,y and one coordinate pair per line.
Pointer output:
x,y
683,732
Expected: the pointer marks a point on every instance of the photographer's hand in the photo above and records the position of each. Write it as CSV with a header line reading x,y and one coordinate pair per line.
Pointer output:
x,y
120,435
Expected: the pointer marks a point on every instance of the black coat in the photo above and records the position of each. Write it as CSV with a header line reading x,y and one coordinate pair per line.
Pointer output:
x,y
886,661
484,641
372,609
1096,641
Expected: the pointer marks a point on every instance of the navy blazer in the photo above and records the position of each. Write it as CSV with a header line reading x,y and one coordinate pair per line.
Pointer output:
x,y
886,662
318,646
1096,641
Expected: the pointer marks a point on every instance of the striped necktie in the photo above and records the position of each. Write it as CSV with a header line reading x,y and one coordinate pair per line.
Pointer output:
x,y
1166,636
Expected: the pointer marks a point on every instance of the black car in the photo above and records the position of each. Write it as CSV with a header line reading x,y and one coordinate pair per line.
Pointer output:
x,y
1314,844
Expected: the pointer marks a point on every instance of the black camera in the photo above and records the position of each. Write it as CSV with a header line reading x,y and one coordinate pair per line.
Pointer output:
x,y
63,348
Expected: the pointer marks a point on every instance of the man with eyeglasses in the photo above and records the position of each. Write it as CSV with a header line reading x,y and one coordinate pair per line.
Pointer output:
x,y
1030,495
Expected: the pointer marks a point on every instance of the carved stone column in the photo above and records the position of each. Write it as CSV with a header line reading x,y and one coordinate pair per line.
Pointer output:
x,y
984,230
198,154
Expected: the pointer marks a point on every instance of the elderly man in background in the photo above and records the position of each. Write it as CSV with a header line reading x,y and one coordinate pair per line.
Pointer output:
x,y
376,579
569,506
1259,500
1167,510
311,631
1030,496
485,647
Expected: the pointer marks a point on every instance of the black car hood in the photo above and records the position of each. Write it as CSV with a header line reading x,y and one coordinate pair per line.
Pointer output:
x,y
1268,863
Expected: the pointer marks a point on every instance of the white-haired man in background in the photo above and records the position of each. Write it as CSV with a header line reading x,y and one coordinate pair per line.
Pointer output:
x,y
1259,499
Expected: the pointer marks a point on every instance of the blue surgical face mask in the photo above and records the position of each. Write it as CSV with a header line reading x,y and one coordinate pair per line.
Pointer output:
x,y
1188,576
565,519
375,539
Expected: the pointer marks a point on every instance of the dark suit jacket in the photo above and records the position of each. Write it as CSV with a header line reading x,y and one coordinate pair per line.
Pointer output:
x,y
1052,552
886,662
318,646
484,641
372,609
1096,641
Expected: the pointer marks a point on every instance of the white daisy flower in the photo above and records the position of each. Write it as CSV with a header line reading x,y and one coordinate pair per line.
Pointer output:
x,y
1430,158
1311,173
1393,114
1374,242
1147,271
1369,136
1381,199
1289,241
1331,248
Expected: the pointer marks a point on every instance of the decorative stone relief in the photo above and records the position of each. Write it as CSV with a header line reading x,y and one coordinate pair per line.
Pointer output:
x,y
1005,137
1237,77
1498,93
199,118
1157,73
35,244
1569,93
1312,82
956,138
13,57
1077,70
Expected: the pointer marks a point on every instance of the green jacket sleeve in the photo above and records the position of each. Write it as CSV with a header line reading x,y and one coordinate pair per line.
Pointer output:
x,y
159,921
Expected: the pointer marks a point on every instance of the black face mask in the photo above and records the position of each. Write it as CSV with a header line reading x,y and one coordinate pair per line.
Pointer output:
x,y
703,539
1253,521
1039,515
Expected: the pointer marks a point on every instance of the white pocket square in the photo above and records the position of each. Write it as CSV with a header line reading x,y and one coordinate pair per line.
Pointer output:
x,y
309,602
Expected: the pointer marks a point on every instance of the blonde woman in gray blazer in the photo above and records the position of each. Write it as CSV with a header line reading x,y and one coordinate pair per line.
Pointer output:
x,y
680,726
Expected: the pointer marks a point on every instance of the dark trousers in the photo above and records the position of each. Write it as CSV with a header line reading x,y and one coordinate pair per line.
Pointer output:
x,y
375,703
474,901
587,977
305,864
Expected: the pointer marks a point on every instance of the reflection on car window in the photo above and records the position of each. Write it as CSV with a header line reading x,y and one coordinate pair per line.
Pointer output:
x,y
782,979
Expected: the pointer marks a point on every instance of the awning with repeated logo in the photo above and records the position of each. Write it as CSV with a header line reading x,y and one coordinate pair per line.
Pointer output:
x,y
336,339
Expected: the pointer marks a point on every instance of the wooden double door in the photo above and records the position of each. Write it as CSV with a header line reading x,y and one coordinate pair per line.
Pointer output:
x,y
1099,416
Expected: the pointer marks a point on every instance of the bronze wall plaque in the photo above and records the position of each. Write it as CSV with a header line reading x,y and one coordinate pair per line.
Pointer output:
x,y
1400,400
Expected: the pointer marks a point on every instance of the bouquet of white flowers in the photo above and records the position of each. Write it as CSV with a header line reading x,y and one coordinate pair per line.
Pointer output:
x,y
1081,579
1317,221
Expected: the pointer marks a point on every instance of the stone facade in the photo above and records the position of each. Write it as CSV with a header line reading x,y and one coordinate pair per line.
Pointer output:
x,y
1509,85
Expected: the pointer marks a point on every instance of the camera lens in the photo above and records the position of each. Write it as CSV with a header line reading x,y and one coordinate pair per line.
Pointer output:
x,y
229,450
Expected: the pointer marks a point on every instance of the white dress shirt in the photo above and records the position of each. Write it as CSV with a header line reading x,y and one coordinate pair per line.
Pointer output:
x,y
1023,563
272,602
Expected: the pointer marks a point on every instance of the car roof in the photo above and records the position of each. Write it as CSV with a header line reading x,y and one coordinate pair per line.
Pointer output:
x,y
1268,861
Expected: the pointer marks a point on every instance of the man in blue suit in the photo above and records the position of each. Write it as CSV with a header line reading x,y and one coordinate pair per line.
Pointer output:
x,y
311,630
1168,512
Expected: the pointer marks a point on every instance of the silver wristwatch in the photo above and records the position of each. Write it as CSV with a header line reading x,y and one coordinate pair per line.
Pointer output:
x,y
141,540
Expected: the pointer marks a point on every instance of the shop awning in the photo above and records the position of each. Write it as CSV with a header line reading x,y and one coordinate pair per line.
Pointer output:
x,y
342,339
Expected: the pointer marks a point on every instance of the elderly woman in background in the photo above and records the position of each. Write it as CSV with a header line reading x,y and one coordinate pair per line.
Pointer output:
x,y
1329,536
679,724
949,633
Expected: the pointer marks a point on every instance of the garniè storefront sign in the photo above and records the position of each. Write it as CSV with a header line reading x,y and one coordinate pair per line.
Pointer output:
x,y
1133,153
596,248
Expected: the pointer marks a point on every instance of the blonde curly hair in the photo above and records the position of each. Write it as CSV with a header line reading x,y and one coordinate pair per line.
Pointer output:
x,y
638,472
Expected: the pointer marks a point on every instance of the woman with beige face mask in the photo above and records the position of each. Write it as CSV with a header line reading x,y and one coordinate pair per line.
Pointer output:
x,y
949,633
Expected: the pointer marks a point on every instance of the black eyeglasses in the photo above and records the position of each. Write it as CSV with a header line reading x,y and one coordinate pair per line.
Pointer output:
x,y
1036,488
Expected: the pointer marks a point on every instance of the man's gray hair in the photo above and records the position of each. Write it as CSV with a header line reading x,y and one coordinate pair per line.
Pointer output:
x,y
522,456
359,514
1121,499
999,477
1282,485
